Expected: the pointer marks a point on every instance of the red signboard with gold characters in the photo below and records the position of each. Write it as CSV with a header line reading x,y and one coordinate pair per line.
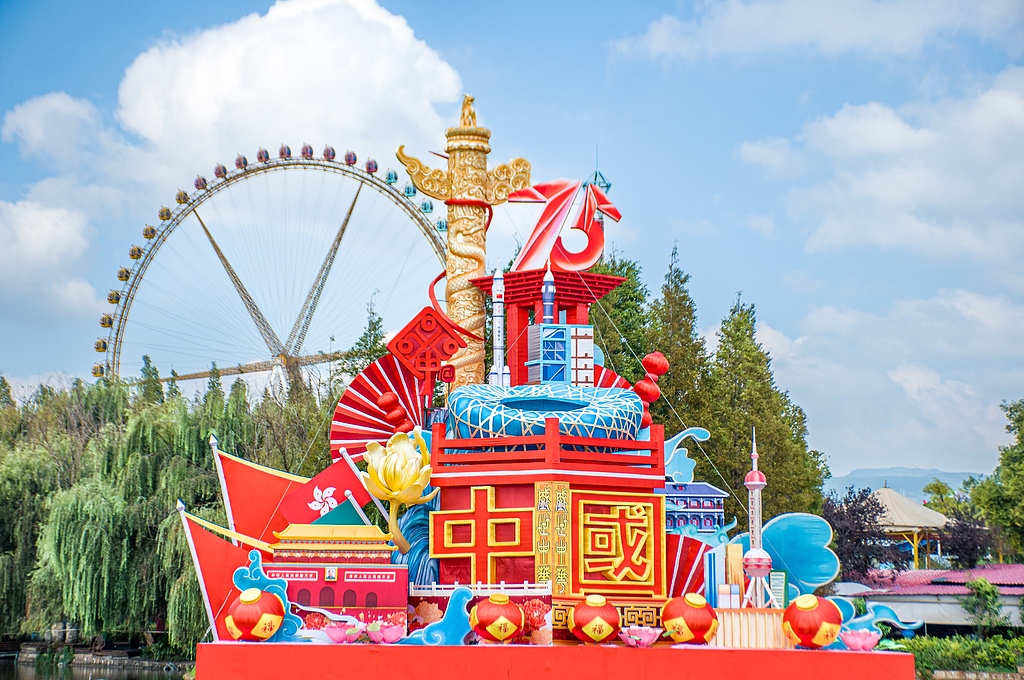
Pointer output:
x,y
620,543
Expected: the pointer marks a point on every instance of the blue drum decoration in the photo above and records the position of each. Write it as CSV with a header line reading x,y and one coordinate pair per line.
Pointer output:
x,y
442,224
350,157
426,206
284,152
329,153
391,177
409,190
262,155
200,183
371,166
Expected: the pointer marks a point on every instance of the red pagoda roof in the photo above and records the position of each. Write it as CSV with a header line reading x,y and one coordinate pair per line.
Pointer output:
x,y
570,287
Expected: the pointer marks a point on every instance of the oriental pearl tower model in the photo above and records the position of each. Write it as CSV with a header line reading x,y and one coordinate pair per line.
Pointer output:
x,y
757,563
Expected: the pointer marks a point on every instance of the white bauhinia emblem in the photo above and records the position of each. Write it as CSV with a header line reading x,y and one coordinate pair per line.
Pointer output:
x,y
323,500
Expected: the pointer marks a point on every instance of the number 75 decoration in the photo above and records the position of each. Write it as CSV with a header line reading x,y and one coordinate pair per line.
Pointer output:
x,y
545,243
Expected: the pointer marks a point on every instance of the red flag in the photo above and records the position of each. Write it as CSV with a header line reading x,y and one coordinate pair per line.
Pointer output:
x,y
323,493
254,494
215,560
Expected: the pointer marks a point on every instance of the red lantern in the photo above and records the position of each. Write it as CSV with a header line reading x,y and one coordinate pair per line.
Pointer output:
x,y
690,619
594,620
647,390
255,615
812,621
656,364
496,619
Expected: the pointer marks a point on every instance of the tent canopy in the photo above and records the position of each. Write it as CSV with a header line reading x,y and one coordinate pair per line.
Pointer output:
x,y
902,515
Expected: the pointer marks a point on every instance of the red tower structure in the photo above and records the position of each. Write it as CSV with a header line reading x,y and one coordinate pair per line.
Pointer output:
x,y
574,293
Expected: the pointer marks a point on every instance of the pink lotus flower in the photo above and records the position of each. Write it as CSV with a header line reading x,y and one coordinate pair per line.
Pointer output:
x,y
640,636
860,640
343,632
384,632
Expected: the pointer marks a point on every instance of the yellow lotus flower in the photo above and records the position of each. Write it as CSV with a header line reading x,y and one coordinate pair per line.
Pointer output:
x,y
398,473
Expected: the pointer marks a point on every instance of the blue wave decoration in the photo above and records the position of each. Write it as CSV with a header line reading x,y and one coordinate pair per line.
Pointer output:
x,y
678,464
253,576
798,544
877,613
452,629
716,538
415,526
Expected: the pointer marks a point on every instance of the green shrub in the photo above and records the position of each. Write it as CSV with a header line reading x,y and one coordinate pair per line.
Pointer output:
x,y
996,654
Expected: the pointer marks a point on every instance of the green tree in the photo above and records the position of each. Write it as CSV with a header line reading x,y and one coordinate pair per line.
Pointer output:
x,y
998,496
744,397
368,348
173,391
6,400
984,610
673,332
152,390
620,317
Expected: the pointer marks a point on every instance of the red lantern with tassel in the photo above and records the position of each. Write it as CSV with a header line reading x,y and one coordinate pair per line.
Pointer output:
x,y
812,621
655,364
594,620
255,615
689,620
497,619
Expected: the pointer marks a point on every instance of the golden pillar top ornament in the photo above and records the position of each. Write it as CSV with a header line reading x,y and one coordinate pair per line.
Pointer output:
x,y
469,189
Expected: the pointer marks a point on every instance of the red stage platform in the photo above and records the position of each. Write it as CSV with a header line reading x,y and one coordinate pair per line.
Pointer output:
x,y
253,661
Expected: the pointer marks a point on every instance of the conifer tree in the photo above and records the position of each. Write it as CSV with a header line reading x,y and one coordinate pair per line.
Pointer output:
x,y
6,400
173,391
673,332
152,390
368,348
744,397
620,318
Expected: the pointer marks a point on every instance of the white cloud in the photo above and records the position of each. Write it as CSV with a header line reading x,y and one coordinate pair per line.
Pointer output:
x,y
762,224
920,381
939,178
895,27
340,72
39,247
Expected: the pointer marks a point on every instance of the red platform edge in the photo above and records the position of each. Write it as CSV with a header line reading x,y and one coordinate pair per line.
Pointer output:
x,y
254,661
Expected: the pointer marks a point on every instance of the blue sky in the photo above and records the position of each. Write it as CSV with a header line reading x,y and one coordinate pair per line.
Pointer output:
x,y
854,168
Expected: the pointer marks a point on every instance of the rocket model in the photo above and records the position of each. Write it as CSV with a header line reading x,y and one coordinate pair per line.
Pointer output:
x,y
756,562
500,374
547,297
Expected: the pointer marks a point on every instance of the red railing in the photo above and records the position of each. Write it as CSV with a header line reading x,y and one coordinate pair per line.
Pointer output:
x,y
640,461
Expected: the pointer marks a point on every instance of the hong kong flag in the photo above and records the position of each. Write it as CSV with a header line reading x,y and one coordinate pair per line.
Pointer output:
x,y
325,492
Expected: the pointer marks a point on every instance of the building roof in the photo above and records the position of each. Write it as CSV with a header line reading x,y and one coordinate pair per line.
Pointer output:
x,y
332,532
1008,577
692,489
900,514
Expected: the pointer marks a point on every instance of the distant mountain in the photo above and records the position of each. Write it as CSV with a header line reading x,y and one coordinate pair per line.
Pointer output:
x,y
909,482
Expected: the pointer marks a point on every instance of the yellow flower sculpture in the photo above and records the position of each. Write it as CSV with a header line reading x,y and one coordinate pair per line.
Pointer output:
x,y
398,473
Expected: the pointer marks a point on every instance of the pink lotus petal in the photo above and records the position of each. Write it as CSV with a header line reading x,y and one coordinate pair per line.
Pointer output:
x,y
640,636
860,640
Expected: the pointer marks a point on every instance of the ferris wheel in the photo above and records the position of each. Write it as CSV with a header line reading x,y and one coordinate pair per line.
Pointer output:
x,y
271,266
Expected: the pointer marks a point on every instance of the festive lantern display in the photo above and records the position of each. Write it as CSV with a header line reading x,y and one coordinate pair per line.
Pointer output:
x,y
655,364
812,621
594,620
689,620
255,615
497,619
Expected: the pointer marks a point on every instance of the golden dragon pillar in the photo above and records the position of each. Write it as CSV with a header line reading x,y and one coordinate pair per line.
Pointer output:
x,y
469,189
